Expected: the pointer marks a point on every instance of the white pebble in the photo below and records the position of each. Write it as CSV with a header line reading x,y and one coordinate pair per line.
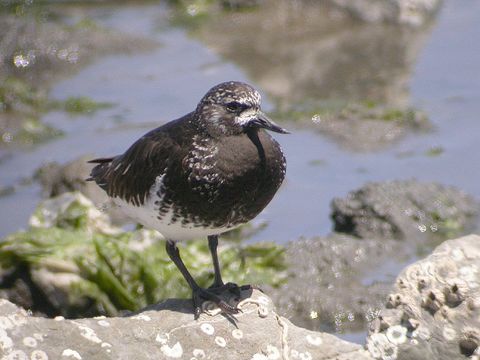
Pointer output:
x,y
162,338
397,334
207,328
89,334
175,351
38,355
71,353
5,323
16,355
39,336
259,357
272,352
142,317
220,341
237,334
314,340
199,353
5,340
30,342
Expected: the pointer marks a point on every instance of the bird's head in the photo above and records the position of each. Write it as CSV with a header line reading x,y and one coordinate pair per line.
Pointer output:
x,y
232,108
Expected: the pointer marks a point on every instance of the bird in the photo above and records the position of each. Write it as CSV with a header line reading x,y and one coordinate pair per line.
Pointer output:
x,y
199,176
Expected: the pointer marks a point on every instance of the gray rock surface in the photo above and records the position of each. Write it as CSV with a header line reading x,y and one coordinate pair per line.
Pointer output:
x,y
404,210
58,178
168,331
433,311
370,127
339,282
330,286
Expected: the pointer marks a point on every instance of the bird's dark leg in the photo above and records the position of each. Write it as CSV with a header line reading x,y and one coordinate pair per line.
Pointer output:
x,y
199,294
218,285
212,245
174,254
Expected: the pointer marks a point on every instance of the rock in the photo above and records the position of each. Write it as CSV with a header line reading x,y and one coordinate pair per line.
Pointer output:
x,y
328,286
433,311
58,178
169,331
404,210
407,12
334,282
72,261
369,126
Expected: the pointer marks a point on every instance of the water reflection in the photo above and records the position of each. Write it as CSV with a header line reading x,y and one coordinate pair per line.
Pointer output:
x,y
297,51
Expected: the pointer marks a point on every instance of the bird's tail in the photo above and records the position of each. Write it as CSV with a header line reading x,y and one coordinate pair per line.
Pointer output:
x,y
98,171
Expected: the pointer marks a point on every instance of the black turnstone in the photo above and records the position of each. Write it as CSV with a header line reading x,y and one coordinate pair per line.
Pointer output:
x,y
205,173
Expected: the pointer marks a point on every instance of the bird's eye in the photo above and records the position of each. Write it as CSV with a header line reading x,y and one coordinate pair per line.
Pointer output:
x,y
235,106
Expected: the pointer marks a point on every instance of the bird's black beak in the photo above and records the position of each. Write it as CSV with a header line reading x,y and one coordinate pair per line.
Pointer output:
x,y
262,121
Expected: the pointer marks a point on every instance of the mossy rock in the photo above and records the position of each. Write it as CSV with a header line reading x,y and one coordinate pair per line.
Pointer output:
x,y
108,270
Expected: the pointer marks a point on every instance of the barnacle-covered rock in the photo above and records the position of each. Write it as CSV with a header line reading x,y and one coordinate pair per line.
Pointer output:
x,y
435,314
169,331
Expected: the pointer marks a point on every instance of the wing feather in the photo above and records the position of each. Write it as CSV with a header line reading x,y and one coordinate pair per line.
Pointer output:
x,y
130,176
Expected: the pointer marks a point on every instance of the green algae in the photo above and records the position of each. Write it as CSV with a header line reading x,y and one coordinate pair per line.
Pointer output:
x,y
125,270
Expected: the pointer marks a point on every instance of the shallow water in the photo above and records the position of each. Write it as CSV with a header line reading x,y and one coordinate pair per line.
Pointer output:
x,y
151,88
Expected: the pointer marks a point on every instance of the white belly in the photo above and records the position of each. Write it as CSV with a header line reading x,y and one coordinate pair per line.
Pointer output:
x,y
147,215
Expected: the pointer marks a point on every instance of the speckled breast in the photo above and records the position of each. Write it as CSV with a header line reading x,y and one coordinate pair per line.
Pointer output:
x,y
227,181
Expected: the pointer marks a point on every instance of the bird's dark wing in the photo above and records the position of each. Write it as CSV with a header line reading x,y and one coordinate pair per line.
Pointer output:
x,y
131,175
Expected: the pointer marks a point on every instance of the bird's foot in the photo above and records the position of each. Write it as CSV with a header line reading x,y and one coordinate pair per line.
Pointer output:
x,y
212,294
229,288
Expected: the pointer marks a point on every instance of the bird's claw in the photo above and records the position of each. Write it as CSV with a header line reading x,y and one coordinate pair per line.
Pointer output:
x,y
200,295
